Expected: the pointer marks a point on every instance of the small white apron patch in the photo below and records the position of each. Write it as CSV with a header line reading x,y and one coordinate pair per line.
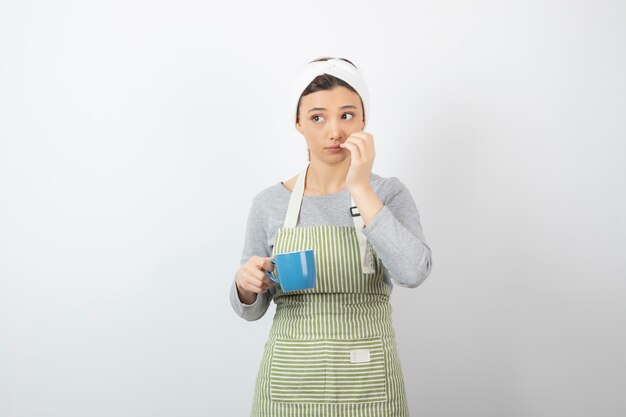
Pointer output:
x,y
360,356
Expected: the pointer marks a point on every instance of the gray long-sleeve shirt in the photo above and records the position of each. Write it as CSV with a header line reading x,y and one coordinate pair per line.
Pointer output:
x,y
395,233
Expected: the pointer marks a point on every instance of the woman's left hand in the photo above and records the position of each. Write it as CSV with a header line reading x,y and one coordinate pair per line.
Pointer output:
x,y
361,147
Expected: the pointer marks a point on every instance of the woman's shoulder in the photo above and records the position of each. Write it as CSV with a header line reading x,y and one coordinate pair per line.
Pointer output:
x,y
386,186
270,196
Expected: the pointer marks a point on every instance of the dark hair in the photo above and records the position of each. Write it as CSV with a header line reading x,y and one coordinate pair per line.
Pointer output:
x,y
324,82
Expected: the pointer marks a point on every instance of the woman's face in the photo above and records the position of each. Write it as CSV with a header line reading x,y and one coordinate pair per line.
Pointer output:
x,y
327,118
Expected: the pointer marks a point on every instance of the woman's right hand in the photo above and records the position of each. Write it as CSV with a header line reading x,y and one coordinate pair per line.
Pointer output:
x,y
251,279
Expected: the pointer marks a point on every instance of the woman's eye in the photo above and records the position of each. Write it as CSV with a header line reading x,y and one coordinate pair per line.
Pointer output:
x,y
347,116
317,118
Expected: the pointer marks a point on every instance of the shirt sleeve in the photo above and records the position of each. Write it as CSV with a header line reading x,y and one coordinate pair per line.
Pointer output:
x,y
398,239
255,244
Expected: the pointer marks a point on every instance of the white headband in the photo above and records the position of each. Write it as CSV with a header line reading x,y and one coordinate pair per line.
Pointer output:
x,y
337,68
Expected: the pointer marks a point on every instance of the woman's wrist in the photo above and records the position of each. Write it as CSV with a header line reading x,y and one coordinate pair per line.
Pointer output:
x,y
367,202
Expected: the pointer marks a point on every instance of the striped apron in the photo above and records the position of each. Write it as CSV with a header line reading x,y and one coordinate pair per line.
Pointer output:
x,y
331,349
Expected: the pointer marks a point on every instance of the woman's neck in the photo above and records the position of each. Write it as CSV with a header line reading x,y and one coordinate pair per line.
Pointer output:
x,y
326,179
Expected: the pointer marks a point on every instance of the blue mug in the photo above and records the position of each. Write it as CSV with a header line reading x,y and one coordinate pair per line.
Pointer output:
x,y
295,270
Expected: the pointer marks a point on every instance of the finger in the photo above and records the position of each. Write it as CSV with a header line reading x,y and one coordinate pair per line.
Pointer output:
x,y
359,139
259,274
362,135
267,265
365,141
252,271
267,287
363,149
258,265
267,281
256,283
251,288
355,151
353,148
366,147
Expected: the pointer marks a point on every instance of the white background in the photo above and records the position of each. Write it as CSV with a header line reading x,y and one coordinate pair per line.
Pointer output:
x,y
134,134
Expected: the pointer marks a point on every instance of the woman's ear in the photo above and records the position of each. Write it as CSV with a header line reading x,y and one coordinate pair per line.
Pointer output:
x,y
298,126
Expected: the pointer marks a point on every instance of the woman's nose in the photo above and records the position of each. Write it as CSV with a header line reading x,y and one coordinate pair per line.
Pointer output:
x,y
335,132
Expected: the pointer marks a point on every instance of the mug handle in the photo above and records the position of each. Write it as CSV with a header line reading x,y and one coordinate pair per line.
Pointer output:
x,y
272,277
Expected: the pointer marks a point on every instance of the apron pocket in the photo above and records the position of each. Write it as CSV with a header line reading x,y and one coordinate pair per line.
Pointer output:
x,y
328,371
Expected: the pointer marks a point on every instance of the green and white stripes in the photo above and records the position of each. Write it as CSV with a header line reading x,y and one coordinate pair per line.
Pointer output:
x,y
331,350
305,371
337,259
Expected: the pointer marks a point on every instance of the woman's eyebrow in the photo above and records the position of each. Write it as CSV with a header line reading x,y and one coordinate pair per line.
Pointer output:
x,y
347,106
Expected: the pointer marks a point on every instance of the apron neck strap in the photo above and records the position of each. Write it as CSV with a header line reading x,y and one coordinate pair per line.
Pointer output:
x,y
293,210
367,259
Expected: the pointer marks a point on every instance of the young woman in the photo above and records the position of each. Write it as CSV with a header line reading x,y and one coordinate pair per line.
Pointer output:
x,y
331,350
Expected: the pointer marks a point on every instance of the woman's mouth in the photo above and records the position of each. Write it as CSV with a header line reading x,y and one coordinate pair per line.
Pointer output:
x,y
334,149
